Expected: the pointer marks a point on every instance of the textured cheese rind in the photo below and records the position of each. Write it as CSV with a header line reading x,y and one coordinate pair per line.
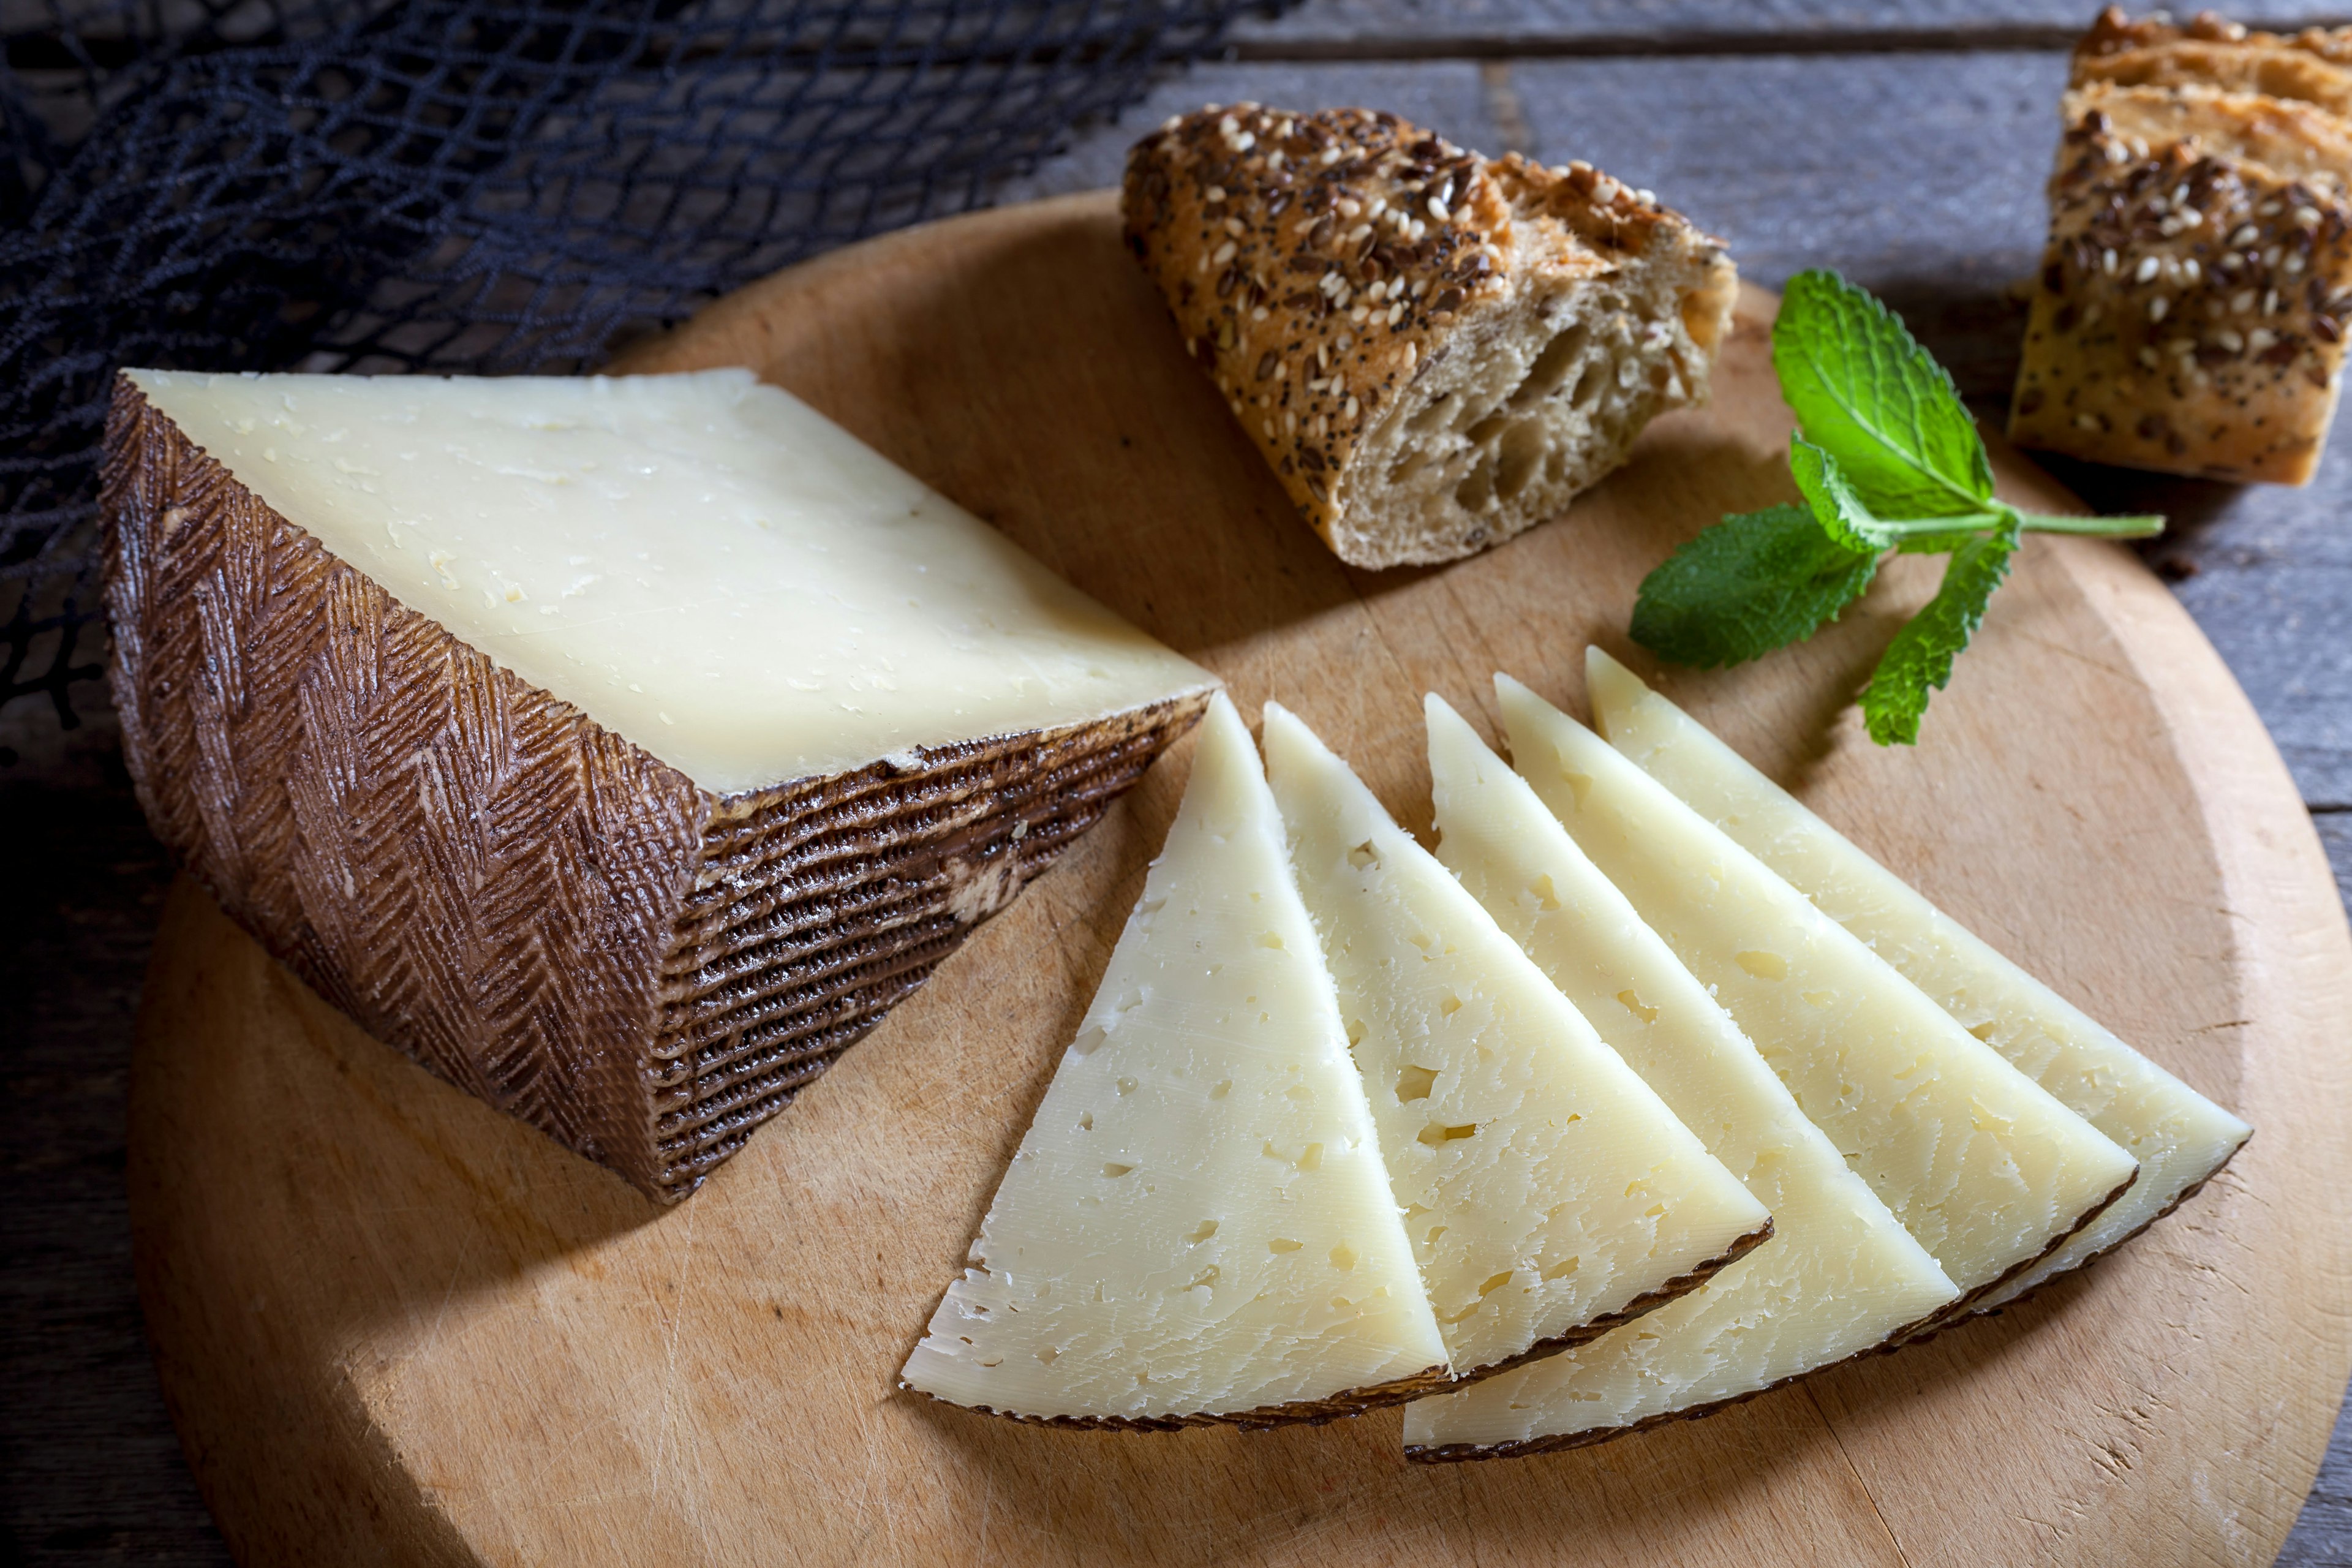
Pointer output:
x,y
1198,1223
1980,1163
702,564
1546,1188
2180,1137
1839,1277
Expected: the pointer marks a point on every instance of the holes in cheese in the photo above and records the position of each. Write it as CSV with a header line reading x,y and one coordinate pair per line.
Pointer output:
x,y
1838,1275
1527,1143
1156,1316
2178,1136
1983,1167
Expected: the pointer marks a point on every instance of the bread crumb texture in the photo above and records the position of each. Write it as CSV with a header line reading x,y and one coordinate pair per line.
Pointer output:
x,y
1433,350
2189,313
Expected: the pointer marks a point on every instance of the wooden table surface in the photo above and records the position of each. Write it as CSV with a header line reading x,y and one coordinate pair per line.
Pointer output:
x,y
1902,142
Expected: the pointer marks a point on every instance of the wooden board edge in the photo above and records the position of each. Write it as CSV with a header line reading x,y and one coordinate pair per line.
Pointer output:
x,y
2297,961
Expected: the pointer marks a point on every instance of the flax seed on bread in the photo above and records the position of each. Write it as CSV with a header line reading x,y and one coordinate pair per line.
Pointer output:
x,y
1434,351
2298,140
2190,307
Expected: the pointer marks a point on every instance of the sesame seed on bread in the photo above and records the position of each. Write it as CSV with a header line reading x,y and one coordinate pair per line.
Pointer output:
x,y
2191,308
2210,347
1434,351
2298,140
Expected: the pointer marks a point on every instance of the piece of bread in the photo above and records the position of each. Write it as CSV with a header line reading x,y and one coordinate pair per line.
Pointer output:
x,y
2313,65
2301,141
2191,308
1434,351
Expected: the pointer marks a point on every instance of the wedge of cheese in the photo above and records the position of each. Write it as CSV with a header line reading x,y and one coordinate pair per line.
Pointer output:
x,y
2180,1137
621,749
1198,1226
1548,1194
1984,1168
1840,1275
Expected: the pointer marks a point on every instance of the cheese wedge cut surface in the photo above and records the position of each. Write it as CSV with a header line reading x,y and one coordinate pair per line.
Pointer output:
x,y
622,749
700,562
1983,1167
1198,1226
1548,1192
2178,1136
1840,1275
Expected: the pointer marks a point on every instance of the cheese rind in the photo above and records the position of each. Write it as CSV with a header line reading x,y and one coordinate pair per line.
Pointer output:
x,y
1840,1275
2180,1137
531,904
1982,1165
1198,1224
1548,1192
701,562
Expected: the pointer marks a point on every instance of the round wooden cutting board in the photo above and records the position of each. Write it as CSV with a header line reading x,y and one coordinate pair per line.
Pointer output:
x,y
395,1326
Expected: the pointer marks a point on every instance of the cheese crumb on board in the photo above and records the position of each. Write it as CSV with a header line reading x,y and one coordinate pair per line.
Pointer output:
x,y
1548,1192
1983,1166
1840,1275
1198,1226
700,562
2180,1137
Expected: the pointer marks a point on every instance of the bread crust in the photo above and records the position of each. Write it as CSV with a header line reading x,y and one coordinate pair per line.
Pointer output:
x,y
2189,313
2300,141
2313,65
1319,265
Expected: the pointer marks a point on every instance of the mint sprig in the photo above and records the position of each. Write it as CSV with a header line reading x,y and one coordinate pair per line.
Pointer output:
x,y
1886,459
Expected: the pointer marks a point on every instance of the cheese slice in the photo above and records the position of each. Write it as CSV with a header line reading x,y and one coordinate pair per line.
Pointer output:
x,y
1840,1275
1982,1166
2180,1137
1548,1194
622,749
1198,1226
700,562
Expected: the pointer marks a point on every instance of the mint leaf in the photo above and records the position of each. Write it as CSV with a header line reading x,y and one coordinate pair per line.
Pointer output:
x,y
1935,544
1919,661
1863,388
1754,581
1835,506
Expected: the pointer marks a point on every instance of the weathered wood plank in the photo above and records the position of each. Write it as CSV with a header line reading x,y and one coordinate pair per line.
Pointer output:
x,y
90,1471
1525,28
1450,97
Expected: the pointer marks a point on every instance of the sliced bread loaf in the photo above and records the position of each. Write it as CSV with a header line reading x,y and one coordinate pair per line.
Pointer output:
x,y
1433,350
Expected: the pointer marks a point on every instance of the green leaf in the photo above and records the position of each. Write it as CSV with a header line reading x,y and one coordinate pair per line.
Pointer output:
x,y
1752,583
1863,388
1935,544
1919,661
1835,506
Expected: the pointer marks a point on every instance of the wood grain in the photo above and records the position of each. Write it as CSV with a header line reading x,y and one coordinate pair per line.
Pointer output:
x,y
412,1331
1401,28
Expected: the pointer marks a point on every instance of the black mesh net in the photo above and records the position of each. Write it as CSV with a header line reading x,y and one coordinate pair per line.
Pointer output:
x,y
471,185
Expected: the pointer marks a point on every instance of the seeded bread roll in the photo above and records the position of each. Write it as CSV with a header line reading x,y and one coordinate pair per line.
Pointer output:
x,y
2191,308
2298,140
1434,351
2313,65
